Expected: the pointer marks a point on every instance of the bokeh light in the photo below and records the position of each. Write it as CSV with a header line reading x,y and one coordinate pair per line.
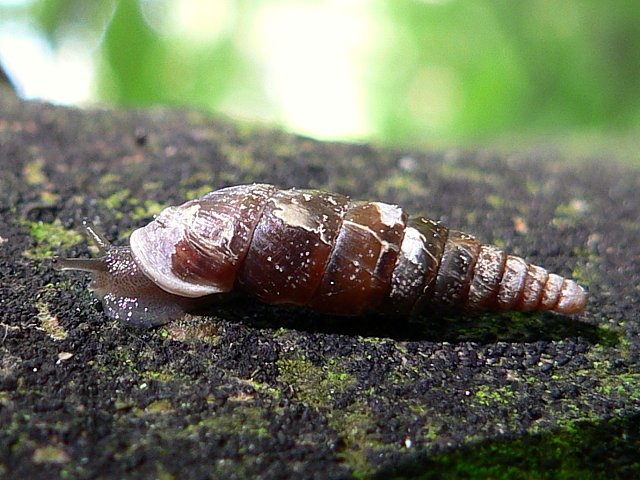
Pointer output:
x,y
392,71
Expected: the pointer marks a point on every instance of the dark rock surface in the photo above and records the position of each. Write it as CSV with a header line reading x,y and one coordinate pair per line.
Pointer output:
x,y
255,391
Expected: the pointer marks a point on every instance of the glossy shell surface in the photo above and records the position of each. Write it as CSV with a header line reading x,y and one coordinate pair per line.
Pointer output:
x,y
322,250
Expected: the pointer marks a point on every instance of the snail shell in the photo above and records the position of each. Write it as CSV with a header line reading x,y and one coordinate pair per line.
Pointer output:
x,y
312,248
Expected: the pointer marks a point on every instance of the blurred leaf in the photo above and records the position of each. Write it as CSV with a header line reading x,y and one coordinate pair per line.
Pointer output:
x,y
135,55
454,72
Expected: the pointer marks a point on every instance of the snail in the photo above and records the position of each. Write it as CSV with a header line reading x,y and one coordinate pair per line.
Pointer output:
x,y
312,248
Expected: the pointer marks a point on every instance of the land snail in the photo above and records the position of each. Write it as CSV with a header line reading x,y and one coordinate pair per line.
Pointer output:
x,y
311,248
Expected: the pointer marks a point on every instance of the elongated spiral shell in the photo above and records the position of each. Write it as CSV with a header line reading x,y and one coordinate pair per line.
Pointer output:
x,y
312,248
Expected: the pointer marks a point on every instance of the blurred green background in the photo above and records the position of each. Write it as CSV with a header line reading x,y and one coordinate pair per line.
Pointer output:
x,y
398,72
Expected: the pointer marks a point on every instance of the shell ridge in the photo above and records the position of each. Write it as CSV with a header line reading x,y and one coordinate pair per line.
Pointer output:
x,y
253,227
348,205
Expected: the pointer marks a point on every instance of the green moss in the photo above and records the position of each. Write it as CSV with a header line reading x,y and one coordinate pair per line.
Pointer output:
x,y
246,130
162,474
49,323
50,454
401,187
160,376
22,441
111,179
629,384
355,426
243,419
568,214
626,385
33,172
470,174
126,357
611,337
262,388
198,192
489,396
122,405
431,432
315,385
192,329
499,243
152,187
50,238
510,326
532,187
577,451
403,376
117,200
280,332
239,156
522,326
496,201
159,406
147,209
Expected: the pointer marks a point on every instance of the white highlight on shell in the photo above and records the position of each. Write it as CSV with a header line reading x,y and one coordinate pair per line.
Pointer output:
x,y
409,271
390,215
412,246
298,216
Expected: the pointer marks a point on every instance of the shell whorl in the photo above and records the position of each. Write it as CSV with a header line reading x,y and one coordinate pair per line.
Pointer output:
x,y
313,248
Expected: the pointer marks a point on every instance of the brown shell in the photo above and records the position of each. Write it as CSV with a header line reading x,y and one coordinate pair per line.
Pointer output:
x,y
322,250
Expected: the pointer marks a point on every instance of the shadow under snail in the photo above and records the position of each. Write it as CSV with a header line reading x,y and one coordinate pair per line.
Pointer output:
x,y
312,248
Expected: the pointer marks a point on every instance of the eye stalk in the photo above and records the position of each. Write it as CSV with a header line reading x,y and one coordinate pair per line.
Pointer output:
x,y
87,264
125,292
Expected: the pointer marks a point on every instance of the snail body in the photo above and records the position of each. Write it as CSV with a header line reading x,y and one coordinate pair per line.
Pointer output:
x,y
312,248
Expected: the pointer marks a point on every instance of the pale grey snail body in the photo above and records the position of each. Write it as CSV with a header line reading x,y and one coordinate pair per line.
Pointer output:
x,y
311,248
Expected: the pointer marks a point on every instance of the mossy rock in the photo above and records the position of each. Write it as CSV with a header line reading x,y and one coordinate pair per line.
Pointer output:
x,y
247,390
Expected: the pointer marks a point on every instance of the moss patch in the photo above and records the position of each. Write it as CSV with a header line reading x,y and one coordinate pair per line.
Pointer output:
x,y
489,396
315,385
50,323
568,214
50,454
50,239
243,419
33,172
560,455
